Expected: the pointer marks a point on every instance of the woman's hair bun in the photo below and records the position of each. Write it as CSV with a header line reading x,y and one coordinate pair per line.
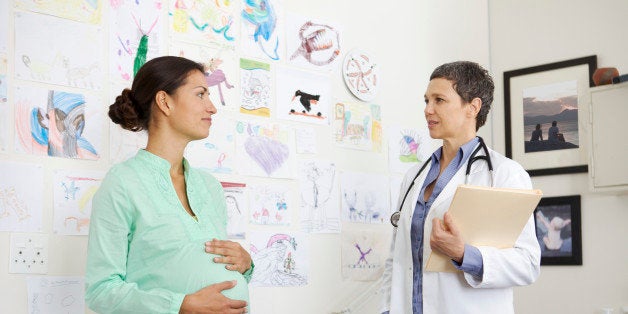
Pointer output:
x,y
124,112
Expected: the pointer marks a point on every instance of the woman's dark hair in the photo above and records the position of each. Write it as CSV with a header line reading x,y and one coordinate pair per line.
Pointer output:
x,y
132,108
470,81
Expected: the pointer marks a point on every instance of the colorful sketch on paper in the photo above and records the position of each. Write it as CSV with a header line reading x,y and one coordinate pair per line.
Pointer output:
x,y
281,259
4,25
73,192
256,88
217,151
319,197
21,197
4,106
262,29
303,96
364,253
56,294
407,147
362,198
45,51
361,73
204,21
357,126
221,63
88,11
57,123
270,204
235,197
311,43
265,150
135,36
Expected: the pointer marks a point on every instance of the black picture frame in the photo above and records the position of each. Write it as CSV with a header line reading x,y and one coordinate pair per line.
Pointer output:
x,y
566,249
516,82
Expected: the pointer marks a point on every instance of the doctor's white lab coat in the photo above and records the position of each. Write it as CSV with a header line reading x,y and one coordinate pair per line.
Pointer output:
x,y
460,292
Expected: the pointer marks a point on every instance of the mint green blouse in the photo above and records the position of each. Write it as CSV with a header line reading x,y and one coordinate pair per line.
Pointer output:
x,y
145,252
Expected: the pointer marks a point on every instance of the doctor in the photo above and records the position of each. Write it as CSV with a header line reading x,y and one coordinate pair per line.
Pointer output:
x,y
457,102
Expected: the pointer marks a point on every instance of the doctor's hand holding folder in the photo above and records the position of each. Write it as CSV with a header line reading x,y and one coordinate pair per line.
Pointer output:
x,y
482,216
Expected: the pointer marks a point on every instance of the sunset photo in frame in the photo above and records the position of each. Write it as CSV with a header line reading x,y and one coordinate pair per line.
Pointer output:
x,y
558,230
546,112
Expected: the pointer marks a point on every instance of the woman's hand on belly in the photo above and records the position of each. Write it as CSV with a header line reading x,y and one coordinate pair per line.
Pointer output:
x,y
211,300
231,253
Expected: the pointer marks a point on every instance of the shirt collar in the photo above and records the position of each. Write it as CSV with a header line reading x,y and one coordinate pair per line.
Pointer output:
x,y
463,152
157,162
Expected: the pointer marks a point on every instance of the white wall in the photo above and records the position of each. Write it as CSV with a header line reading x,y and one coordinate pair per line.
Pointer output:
x,y
409,38
529,33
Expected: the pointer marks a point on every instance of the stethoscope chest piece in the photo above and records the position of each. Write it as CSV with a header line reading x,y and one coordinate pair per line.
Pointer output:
x,y
394,218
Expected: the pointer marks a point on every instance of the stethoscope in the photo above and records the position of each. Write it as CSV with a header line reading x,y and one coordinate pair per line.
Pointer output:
x,y
394,218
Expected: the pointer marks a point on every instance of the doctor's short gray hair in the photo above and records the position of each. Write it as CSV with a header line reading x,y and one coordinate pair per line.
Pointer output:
x,y
470,81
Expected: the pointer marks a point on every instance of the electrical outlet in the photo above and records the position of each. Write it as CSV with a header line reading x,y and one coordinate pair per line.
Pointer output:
x,y
29,253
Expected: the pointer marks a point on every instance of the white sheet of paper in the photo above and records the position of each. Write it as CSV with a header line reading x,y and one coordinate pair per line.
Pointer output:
x,y
407,147
237,209
303,96
364,253
21,197
4,107
262,29
129,21
265,149
59,62
56,294
305,140
313,44
89,11
362,197
217,151
318,183
73,192
281,259
357,126
270,204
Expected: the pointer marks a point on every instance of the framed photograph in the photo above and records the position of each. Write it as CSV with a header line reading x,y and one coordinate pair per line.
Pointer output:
x,y
546,113
557,221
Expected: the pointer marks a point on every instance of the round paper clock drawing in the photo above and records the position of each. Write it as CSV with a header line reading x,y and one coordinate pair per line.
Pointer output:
x,y
361,75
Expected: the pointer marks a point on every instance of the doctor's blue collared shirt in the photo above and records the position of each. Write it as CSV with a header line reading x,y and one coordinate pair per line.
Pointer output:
x,y
472,260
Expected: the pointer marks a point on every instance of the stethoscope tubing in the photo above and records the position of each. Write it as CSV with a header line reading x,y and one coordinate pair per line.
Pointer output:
x,y
394,218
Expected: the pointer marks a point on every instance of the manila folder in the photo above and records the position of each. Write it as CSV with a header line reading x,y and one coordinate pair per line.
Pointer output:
x,y
487,217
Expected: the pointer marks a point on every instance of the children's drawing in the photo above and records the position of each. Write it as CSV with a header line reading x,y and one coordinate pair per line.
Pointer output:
x,y
255,88
360,73
221,65
73,193
204,21
265,150
280,259
311,43
4,107
217,151
363,254
303,96
270,204
262,29
89,11
357,126
57,123
21,193
235,197
362,198
135,36
305,138
319,197
45,51
407,147
56,294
